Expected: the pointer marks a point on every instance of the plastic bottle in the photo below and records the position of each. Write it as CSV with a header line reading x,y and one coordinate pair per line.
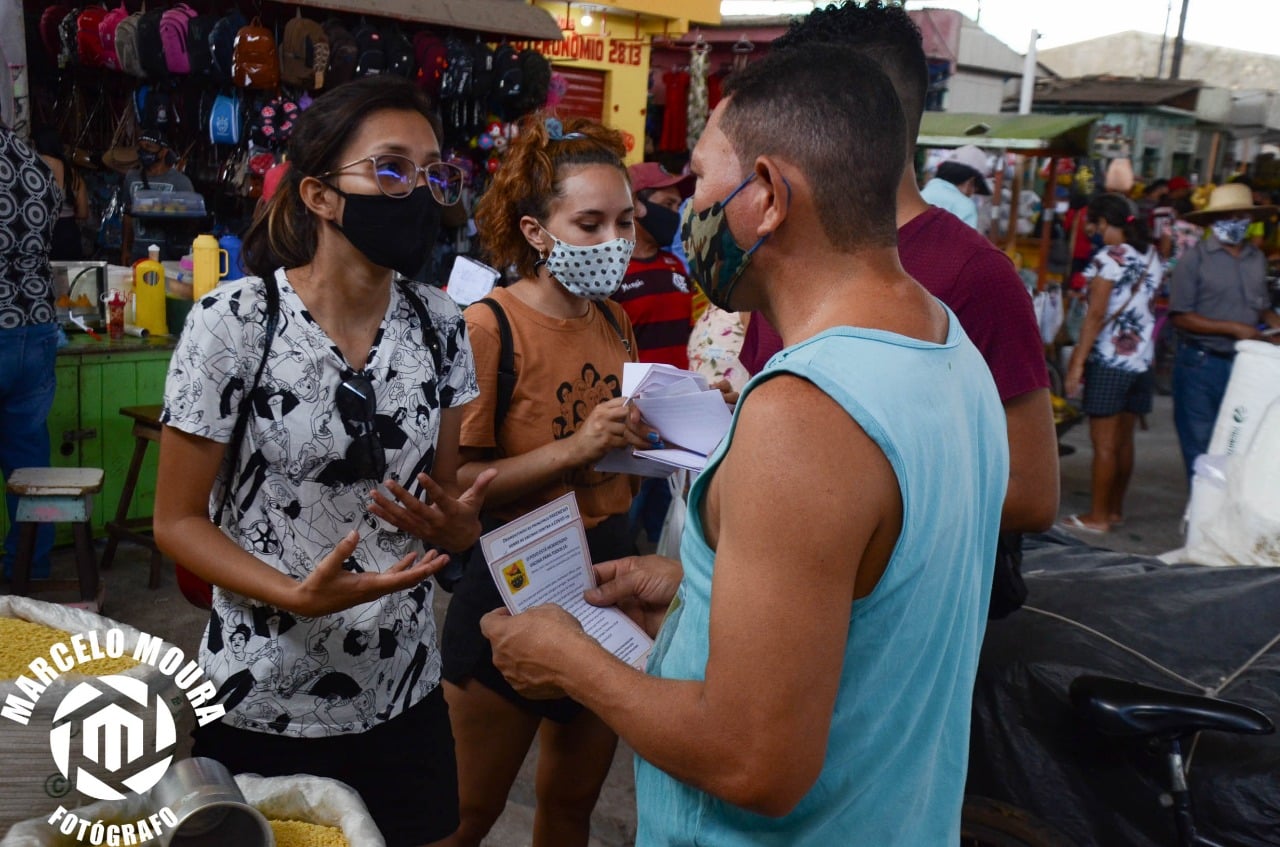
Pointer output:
x,y
232,245
209,264
148,293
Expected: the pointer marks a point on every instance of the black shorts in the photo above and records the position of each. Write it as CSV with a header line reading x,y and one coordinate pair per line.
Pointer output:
x,y
1109,391
404,769
467,653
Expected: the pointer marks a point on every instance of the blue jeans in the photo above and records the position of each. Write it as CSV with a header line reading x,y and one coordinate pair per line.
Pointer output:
x,y
1199,381
27,356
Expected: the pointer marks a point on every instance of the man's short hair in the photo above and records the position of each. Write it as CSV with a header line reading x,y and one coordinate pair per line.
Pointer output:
x,y
956,173
882,32
830,112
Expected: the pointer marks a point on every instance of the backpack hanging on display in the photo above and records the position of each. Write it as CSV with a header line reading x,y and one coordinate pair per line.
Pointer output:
x,y
225,119
254,62
199,56
127,46
50,25
455,86
304,53
343,54
222,44
151,45
273,122
107,35
154,105
68,36
372,56
89,37
508,81
399,52
535,81
431,56
175,29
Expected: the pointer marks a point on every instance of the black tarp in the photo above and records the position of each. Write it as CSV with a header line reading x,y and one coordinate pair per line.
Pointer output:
x,y
1200,624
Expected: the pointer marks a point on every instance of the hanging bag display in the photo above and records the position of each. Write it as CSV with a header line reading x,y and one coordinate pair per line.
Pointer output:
x,y
304,53
175,26
107,35
68,36
89,37
399,52
255,62
225,120
127,46
371,58
50,26
151,45
222,45
343,54
199,56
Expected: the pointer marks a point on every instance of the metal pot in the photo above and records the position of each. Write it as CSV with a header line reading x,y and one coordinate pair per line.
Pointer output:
x,y
211,810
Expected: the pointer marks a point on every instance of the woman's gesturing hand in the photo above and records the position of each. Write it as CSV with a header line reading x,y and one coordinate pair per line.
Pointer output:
x,y
450,523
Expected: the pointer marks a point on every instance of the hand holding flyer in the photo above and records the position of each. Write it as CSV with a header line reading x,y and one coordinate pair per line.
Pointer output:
x,y
542,557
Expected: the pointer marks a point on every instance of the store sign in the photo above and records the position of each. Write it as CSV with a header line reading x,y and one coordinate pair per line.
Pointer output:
x,y
578,46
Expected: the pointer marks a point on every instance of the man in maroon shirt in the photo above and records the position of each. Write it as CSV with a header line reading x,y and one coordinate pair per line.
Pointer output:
x,y
655,293
961,268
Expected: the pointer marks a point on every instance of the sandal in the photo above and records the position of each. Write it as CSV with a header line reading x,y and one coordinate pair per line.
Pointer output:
x,y
1073,522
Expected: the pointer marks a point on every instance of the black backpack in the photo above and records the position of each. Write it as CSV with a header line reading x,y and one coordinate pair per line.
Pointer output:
x,y
508,80
199,29
456,82
482,76
151,45
222,45
399,52
535,81
372,54
343,54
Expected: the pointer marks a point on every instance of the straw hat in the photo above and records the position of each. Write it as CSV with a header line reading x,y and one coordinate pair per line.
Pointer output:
x,y
1230,200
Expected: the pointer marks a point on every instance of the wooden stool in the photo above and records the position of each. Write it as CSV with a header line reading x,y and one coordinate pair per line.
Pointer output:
x,y
57,495
146,428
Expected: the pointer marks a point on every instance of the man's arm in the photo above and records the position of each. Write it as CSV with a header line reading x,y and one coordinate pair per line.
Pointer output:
x,y
803,513
1031,503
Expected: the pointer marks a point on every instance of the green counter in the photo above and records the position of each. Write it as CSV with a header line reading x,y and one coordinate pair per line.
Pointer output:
x,y
86,429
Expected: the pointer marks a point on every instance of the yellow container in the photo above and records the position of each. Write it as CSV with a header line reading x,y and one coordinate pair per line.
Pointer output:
x,y
210,264
148,294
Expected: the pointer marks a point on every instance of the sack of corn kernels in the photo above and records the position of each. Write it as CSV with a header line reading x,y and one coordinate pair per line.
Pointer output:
x,y
88,707
311,811
304,811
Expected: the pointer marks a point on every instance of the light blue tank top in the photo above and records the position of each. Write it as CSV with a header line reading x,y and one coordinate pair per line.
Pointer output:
x,y
896,756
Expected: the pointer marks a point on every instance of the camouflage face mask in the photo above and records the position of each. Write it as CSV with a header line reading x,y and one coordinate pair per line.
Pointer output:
x,y
716,262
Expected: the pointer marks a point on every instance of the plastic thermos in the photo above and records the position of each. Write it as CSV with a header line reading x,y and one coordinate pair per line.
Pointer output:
x,y
148,294
209,263
232,245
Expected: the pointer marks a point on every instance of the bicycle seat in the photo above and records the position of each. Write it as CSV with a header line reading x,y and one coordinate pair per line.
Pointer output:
x,y
1121,708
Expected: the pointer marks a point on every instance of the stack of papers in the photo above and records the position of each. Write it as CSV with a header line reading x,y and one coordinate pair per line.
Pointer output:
x,y
691,417
470,281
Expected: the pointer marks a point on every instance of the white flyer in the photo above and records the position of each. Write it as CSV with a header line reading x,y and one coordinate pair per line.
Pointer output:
x,y
542,557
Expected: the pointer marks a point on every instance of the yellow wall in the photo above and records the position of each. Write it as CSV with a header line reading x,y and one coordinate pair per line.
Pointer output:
x,y
618,44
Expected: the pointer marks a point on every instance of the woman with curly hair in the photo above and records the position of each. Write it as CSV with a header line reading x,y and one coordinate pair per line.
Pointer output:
x,y
560,213
1113,357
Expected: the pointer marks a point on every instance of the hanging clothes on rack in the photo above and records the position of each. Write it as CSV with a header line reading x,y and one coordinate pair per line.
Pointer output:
x,y
674,124
699,108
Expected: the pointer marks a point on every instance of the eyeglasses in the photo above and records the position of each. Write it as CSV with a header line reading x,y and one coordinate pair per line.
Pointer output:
x,y
357,407
397,176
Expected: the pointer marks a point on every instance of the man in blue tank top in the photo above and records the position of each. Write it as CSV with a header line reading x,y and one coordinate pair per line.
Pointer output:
x,y
817,643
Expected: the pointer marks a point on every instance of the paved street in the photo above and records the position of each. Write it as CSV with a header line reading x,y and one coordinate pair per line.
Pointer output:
x,y
1153,516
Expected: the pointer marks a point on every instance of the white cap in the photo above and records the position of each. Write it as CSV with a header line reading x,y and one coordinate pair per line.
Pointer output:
x,y
975,158
154,252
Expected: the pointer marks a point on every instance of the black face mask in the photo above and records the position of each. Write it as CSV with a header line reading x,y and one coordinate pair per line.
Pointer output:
x,y
392,232
660,222
147,158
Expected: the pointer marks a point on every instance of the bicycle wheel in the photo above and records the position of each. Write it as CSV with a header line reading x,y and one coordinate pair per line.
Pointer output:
x,y
989,823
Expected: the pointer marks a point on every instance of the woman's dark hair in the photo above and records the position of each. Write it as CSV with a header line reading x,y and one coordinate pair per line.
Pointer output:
x,y
532,175
1120,212
284,233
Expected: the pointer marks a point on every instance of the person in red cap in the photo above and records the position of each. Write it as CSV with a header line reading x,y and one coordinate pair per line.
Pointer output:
x,y
655,293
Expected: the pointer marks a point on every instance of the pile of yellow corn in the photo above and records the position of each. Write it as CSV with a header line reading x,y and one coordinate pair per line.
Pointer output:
x,y
21,641
300,834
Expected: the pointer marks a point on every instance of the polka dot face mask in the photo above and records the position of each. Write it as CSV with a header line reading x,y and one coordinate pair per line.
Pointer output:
x,y
593,272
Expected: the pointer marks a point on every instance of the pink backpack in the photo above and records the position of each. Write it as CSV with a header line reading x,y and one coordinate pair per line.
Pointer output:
x,y
173,35
107,33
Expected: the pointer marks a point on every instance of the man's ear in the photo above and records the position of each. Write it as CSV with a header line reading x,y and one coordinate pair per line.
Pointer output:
x,y
535,235
320,199
775,202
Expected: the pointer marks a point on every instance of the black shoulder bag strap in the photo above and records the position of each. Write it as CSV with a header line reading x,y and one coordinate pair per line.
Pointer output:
x,y
429,336
617,327
246,404
506,364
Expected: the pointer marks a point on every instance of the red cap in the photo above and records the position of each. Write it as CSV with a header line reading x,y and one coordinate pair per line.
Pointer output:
x,y
648,175
1179,183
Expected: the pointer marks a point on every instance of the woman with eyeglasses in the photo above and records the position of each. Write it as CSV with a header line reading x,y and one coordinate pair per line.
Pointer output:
x,y
314,411
560,212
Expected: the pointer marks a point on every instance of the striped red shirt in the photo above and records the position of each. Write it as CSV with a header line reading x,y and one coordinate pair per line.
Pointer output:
x,y
658,298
